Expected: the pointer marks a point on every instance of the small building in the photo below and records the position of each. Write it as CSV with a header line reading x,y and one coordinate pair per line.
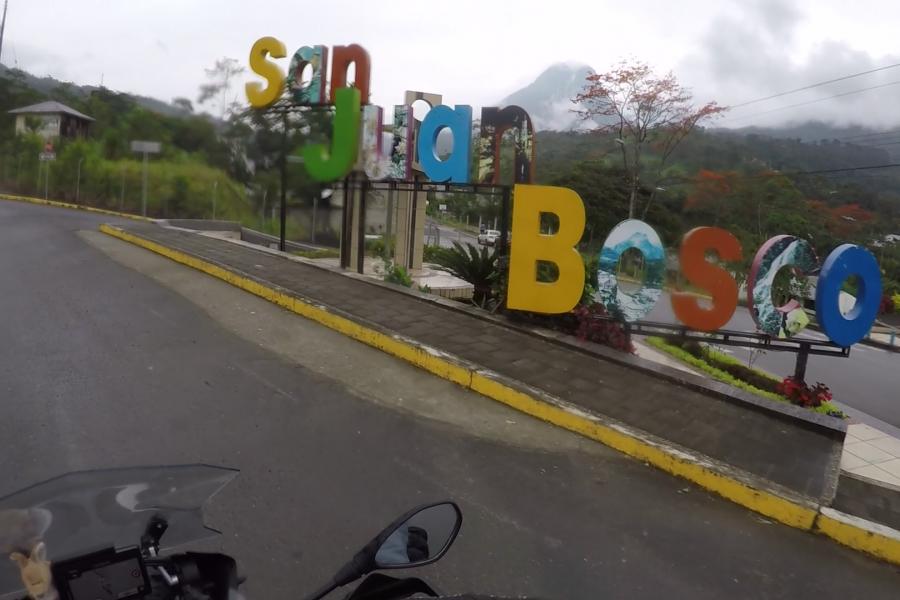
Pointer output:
x,y
51,120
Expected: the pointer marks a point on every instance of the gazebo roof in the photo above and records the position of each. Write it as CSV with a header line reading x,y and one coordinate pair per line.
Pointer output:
x,y
50,107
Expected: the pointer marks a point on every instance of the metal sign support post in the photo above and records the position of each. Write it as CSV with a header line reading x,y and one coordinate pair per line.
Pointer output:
x,y
145,148
284,144
144,188
45,158
504,222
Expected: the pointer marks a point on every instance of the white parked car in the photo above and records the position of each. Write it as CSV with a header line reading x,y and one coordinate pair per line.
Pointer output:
x,y
489,237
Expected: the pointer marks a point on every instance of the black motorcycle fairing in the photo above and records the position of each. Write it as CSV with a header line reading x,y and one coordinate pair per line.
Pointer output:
x,y
379,586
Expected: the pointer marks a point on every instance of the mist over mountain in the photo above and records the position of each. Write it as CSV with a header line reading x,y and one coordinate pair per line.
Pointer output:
x,y
49,85
548,99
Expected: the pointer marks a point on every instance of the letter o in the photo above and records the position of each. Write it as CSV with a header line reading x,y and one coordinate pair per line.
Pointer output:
x,y
844,261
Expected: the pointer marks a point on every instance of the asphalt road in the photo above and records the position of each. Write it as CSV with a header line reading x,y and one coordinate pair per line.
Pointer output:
x,y
112,356
865,381
444,235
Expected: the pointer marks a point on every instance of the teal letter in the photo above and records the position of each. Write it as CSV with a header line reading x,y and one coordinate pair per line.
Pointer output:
x,y
456,167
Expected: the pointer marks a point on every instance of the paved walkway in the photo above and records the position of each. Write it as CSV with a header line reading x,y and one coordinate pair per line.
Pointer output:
x,y
747,439
872,453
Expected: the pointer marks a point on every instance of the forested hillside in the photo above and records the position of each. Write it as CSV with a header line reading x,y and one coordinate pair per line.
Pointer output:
x,y
756,183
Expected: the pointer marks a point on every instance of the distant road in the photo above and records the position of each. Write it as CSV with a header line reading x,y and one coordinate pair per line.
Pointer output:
x,y
444,235
866,380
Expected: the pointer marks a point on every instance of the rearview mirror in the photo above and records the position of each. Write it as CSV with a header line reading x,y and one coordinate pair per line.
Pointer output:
x,y
422,537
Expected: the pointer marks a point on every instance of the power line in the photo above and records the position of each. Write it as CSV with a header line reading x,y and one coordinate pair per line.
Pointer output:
x,y
823,171
815,85
865,135
869,143
884,144
850,93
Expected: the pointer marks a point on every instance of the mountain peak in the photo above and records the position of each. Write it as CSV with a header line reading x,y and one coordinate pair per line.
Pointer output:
x,y
548,99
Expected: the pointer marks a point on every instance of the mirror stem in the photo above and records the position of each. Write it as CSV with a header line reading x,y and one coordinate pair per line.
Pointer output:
x,y
323,591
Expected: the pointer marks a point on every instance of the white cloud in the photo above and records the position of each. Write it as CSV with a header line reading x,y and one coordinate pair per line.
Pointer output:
x,y
472,51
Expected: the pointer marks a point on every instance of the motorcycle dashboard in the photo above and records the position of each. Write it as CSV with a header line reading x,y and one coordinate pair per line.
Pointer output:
x,y
109,574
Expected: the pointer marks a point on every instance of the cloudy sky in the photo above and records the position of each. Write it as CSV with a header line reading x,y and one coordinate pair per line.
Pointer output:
x,y
477,51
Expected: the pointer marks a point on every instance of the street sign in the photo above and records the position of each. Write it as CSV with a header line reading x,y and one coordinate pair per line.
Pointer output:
x,y
146,147
47,156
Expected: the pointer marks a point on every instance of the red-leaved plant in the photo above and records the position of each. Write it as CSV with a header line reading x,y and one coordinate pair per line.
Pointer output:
x,y
601,331
798,392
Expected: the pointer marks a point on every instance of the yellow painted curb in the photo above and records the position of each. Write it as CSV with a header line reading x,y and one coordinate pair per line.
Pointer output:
x,y
763,502
68,205
860,535
782,509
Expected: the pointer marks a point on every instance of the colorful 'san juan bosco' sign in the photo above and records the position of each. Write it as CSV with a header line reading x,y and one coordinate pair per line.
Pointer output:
x,y
356,142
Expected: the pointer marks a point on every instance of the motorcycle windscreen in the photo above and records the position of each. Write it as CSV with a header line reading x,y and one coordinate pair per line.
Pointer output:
x,y
89,510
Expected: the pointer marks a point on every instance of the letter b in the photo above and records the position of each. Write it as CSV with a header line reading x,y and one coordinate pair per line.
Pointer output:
x,y
529,246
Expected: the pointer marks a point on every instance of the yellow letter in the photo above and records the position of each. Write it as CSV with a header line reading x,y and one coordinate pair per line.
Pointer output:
x,y
267,46
529,246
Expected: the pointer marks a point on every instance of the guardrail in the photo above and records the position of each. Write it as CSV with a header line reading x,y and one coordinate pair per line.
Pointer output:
x,y
887,335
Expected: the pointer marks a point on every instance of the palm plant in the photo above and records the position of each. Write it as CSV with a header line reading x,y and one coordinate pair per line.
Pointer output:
x,y
477,266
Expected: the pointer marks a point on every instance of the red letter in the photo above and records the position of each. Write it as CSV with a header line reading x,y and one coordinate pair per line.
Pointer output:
x,y
716,280
340,62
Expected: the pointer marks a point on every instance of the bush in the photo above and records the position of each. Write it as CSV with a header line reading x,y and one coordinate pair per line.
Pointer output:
x,y
430,253
799,392
321,253
378,247
755,377
397,274
896,299
600,330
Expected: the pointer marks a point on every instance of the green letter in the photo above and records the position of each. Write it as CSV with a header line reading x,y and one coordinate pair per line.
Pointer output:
x,y
325,166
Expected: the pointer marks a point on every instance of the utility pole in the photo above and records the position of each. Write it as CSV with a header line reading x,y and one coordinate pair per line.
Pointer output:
x,y
3,26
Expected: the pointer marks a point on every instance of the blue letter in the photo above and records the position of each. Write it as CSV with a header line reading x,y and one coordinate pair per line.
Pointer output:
x,y
459,121
844,261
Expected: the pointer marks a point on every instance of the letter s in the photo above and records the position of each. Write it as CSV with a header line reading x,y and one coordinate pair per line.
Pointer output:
x,y
258,96
714,279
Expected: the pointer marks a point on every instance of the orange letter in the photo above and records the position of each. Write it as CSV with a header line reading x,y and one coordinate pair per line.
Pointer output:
x,y
716,280
529,246
340,62
259,97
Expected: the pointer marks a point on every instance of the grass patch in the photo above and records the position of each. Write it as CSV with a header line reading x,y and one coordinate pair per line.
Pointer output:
x,y
715,366
322,253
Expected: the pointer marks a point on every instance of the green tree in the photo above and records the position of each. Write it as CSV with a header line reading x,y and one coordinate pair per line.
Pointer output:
x,y
218,87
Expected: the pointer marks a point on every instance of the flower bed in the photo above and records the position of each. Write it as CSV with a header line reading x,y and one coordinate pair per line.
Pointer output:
x,y
726,369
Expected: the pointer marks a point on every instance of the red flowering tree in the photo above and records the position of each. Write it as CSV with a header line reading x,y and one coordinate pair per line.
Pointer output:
x,y
643,110
710,191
